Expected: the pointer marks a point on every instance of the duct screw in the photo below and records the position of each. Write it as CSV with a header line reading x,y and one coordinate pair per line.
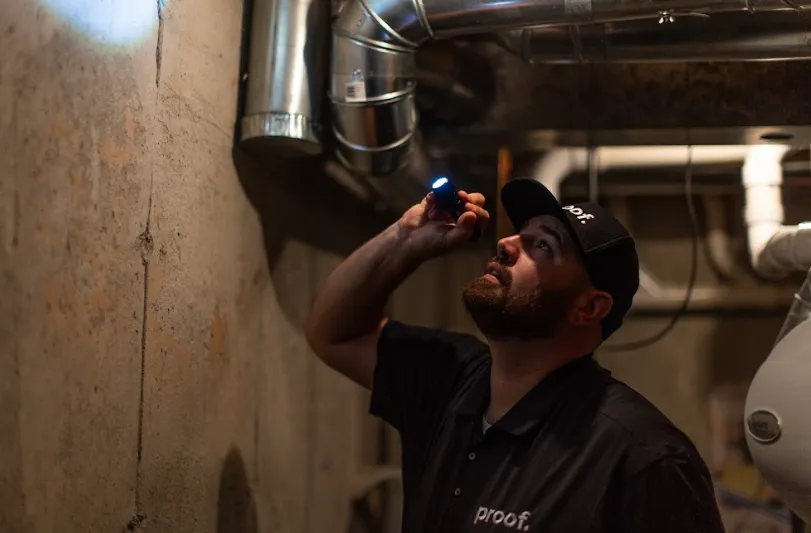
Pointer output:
x,y
665,16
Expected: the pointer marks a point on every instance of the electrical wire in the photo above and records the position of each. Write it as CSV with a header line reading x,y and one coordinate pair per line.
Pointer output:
x,y
593,162
694,230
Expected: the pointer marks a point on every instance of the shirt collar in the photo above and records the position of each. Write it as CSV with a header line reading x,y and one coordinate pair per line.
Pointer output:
x,y
575,378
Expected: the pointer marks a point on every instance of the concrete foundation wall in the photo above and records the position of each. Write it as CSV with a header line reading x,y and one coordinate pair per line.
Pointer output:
x,y
153,375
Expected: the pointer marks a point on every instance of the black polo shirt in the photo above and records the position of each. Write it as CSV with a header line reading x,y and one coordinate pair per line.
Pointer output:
x,y
581,452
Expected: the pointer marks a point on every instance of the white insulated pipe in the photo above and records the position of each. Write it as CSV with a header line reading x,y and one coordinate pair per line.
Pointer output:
x,y
775,250
556,166
658,296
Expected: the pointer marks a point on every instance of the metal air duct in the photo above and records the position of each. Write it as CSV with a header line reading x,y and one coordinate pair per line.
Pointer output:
x,y
288,57
373,81
779,35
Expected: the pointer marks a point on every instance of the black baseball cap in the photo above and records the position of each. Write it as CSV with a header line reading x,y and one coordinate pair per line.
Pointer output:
x,y
606,248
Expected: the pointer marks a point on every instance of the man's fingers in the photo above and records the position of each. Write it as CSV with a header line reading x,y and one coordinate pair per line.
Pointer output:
x,y
474,198
474,214
480,212
462,230
482,215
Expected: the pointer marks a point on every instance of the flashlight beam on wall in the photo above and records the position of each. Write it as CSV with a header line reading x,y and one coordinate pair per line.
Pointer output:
x,y
113,23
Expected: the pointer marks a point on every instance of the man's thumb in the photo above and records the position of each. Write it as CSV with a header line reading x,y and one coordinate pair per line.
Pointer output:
x,y
463,229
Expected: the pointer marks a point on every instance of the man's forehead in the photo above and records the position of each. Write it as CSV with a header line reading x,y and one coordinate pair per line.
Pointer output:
x,y
546,223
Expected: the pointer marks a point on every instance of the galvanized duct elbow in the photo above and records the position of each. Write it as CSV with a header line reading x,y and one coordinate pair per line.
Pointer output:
x,y
372,87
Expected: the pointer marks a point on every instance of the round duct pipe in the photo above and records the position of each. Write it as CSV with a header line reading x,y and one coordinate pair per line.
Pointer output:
x,y
286,75
733,36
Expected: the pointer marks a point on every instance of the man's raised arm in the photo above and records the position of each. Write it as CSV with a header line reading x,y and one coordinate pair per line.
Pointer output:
x,y
344,324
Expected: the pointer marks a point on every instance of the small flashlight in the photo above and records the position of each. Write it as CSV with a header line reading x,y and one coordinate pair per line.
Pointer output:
x,y
447,198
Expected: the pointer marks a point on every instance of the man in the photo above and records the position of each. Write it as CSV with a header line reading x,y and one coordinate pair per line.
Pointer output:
x,y
526,432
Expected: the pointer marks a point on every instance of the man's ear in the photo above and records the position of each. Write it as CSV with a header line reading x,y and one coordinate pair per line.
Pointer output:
x,y
592,307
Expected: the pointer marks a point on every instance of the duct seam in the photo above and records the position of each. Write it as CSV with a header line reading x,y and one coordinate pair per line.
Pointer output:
x,y
364,41
382,23
419,8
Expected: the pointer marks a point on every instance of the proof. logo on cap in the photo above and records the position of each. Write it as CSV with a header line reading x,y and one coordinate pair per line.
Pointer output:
x,y
581,215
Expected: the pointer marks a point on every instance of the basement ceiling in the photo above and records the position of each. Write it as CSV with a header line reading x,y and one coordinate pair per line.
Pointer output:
x,y
544,105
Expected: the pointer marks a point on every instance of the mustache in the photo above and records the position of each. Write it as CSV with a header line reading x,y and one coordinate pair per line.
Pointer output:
x,y
497,268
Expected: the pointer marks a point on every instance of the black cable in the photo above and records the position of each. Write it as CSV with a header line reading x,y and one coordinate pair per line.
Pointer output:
x,y
691,211
593,162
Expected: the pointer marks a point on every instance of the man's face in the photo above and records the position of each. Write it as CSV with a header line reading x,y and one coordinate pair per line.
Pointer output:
x,y
529,289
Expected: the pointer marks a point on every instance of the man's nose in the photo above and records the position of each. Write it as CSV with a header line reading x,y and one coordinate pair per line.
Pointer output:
x,y
508,249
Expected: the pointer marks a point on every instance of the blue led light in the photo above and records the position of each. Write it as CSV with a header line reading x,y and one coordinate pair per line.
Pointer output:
x,y
439,183
112,22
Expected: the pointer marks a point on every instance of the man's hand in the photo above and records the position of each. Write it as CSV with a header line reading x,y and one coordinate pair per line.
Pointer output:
x,y
432,232
347,318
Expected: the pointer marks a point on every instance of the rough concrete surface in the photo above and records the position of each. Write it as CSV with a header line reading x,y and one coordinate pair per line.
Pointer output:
x,y
205,275
74,155
121,207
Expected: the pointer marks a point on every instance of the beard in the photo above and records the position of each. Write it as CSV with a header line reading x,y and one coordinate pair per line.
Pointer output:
x,y
501,315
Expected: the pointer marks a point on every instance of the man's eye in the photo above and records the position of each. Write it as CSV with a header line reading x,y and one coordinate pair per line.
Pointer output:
x,y
543,245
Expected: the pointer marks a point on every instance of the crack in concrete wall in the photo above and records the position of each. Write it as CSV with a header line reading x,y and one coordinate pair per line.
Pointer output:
x,y
15,232
137,522
146,246
159,44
